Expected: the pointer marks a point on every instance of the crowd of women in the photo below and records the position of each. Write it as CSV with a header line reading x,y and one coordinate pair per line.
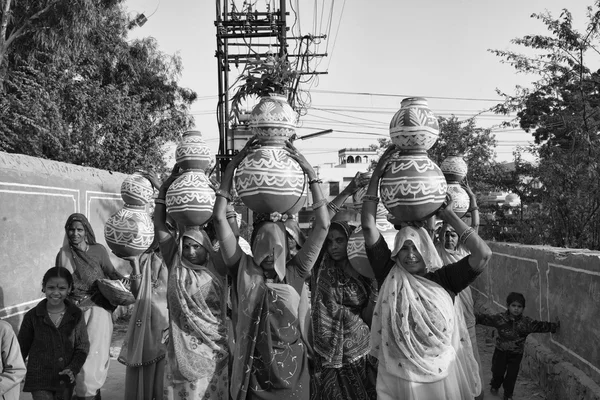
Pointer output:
x,y
287,318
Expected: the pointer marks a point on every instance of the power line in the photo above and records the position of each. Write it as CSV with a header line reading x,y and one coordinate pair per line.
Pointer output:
x,y
403,95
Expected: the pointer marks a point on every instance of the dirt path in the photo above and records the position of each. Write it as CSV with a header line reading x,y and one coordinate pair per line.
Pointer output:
x,y
525,389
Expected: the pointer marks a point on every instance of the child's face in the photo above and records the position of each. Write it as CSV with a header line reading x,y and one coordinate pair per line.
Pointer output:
x,y
56,290
515,308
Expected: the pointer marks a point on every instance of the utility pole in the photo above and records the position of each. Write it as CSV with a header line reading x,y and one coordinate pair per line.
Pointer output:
x,y
252,30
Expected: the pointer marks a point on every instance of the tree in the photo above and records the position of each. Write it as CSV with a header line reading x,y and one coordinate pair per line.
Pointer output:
x,y
111,104
562,110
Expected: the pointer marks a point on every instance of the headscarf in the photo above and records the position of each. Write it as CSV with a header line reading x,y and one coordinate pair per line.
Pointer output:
x,y
269,238
293,229
423,243
90,238
344,226
414,319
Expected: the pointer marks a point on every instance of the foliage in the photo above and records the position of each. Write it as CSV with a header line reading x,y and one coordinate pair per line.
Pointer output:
x,y
112,104
562,110
273,75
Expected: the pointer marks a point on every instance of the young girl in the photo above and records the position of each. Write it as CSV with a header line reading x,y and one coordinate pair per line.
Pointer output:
x,y
54,336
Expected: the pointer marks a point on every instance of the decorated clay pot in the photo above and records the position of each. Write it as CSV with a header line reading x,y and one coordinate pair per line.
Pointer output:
x,y
414,126
273,120
190,199
413,187
357,254
192,152
460,197
268,180
130,231
454,168
136,190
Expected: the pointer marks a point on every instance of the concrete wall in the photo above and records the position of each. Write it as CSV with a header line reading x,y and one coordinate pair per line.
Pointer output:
x,y
36,198
556,282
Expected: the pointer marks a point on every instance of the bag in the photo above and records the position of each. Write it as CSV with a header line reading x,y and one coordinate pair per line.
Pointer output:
x,y
115,292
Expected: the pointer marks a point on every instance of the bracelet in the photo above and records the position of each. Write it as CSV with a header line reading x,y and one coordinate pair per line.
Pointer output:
x,y
465,235
316,180
160,201
318,204
223,194
135,277
369,197
333,207
473,209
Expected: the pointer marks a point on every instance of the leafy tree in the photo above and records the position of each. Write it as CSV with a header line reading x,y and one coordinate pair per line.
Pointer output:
x,y
111,104
562,111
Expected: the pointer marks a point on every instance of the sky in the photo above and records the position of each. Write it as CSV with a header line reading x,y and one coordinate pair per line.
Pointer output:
x,y
379,52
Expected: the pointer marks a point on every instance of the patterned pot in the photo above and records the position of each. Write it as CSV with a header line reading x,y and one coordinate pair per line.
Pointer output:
x,y
454,168
460,197
413,187
414,126
357,254
136,190
269,180
192,152
273,120
130,231
190,199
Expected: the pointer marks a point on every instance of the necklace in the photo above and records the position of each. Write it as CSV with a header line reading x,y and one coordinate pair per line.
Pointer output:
x,y
56,320
57,312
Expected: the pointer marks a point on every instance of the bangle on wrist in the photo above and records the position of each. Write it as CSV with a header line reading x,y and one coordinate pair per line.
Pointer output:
x,y
160,201
135,277
318,204
223,194
333,207
465,235
473,209
316,180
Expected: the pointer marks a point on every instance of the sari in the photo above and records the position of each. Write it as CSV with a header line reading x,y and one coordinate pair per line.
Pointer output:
x,y
469,353
270,360
343,367
197,348
87,267
415,333
143,352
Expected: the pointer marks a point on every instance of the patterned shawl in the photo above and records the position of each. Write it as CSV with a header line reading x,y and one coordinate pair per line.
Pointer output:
x,y
413,322
198,333
269,238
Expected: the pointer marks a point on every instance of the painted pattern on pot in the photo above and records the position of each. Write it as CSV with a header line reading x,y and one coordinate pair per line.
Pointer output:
x,y
412,187
192,152
454,168
273,120
460,197
190,199
136,190
414,126
269,180
130,231
357,253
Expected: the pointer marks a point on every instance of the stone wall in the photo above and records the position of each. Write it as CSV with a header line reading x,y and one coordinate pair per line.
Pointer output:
x,y
36,198
556,282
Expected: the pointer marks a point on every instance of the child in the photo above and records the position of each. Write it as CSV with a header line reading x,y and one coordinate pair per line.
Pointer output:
x,y
513,329
54,335
12,367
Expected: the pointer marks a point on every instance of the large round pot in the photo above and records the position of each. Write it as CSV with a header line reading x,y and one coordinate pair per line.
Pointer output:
x,y
190,199
460,197
357,253
413,187
454,168
414,126
192,152
136,190
273,120
130,231
268,180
